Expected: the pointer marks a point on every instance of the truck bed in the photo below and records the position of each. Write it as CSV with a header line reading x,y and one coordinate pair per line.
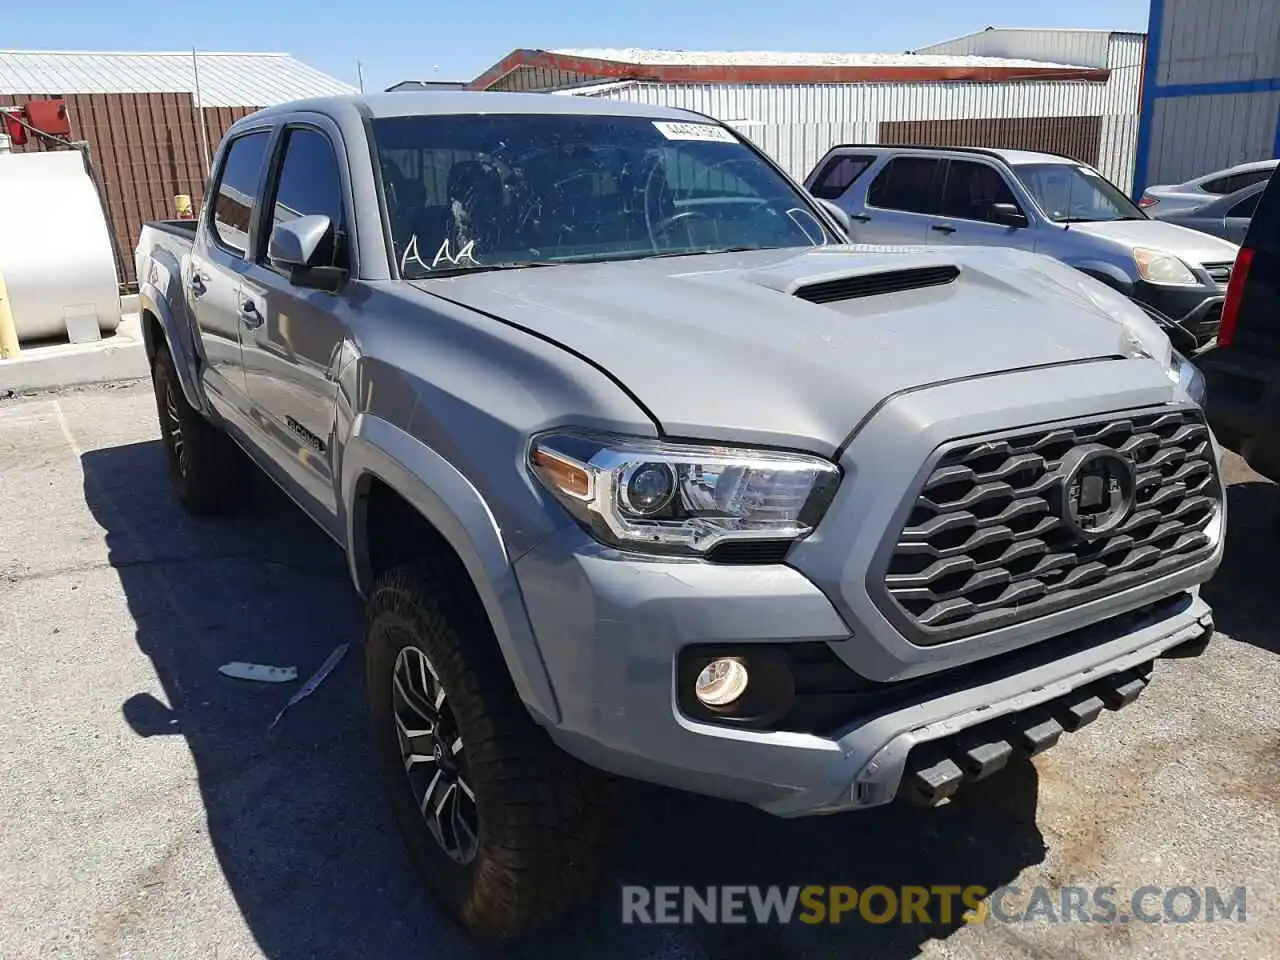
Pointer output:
x,y
186,229
164,243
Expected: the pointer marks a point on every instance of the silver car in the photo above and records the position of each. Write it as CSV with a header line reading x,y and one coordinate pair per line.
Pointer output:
x,y
1227,216
1164,199
1033,201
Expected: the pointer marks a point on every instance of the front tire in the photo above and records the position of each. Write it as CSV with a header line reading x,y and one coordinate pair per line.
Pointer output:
x,y
208,471
507,831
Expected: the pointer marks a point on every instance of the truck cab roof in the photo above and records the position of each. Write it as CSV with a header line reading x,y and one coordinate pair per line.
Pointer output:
x,y
455,102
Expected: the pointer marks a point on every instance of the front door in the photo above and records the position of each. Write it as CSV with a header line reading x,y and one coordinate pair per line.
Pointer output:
x,y
971,190
294,338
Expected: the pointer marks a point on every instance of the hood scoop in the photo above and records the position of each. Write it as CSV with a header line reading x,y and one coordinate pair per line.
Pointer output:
x,y
834,274
875,284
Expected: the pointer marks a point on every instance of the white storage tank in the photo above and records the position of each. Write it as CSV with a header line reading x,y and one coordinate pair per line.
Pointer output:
x,y
55,249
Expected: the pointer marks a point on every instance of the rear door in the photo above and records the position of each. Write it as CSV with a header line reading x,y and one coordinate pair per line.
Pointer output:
x,y
294,337
970,189
902,200
219,260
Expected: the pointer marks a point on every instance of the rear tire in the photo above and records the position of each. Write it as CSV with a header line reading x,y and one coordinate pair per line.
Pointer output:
x,y
208,471
540,818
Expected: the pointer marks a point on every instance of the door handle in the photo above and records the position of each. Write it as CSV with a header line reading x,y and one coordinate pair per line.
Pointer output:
x,y
198,289
249,315
943,228
860,217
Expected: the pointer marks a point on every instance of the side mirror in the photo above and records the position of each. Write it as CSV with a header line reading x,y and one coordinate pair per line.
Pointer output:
x,y
1007,215
297,248
839,214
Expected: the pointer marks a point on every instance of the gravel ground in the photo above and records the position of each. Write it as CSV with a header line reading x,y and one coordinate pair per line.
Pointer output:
x,y
149,813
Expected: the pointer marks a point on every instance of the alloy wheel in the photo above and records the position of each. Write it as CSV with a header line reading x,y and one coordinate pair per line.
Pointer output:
x,y
177,445
435,761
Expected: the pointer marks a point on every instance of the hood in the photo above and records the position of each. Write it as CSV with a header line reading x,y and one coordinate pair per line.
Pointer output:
x,y
1188,245
721,347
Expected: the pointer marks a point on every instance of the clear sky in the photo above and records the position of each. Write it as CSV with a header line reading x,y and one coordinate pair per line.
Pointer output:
x,y
425,39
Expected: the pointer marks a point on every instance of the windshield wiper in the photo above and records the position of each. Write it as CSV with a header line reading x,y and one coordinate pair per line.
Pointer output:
x,y
455,270
708,252
1098,219
650,255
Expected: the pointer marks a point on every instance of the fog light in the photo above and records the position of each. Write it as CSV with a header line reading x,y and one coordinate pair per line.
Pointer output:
x,y
721,682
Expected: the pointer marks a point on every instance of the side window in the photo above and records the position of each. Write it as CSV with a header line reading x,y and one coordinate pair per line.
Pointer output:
x,y
906,183
237,189
971,190
310,183
1245,207
838,175
1237,181
1243,180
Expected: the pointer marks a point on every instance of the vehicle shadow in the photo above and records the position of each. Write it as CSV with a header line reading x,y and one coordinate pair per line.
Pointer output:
x,y
296,817
1246,605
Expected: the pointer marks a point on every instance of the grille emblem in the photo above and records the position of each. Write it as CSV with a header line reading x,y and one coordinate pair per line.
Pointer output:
x,y
1097,490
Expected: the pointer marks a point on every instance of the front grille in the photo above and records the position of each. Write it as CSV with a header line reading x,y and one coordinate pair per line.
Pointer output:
x,y
986,544
1220,272
1208,324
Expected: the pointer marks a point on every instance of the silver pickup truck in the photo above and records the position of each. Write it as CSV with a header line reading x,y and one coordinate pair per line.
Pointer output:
x,y
644,472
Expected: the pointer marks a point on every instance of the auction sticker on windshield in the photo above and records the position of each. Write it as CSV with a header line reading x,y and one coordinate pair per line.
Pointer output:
x,y
674,130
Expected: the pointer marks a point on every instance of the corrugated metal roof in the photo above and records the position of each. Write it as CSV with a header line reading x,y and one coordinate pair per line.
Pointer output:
x,y
977,33
226,79
770,58
594,89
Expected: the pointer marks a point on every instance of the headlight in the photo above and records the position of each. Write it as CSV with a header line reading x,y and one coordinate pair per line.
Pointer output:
x,y
1187,375
640,493
1155,266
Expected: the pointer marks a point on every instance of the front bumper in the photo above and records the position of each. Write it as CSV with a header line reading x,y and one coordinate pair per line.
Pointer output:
x,y
610,627
1198,310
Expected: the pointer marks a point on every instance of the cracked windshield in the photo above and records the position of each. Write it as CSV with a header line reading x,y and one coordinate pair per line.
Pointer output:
x,y
466,192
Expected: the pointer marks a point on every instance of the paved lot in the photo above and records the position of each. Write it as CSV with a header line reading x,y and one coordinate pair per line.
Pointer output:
x,y
148,813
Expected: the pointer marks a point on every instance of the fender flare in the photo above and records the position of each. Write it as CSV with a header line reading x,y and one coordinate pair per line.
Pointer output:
x,y
448,501
177,335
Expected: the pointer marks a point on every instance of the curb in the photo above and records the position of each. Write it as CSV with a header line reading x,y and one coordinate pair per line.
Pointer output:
x,y
120,357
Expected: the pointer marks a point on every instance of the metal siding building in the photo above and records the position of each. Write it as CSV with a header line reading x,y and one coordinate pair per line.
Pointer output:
x,y
145,128
1211,89
1072,92
1119,52
794,123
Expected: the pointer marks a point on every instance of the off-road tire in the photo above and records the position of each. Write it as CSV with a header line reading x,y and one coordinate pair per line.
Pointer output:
x,y
545,819
209,472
